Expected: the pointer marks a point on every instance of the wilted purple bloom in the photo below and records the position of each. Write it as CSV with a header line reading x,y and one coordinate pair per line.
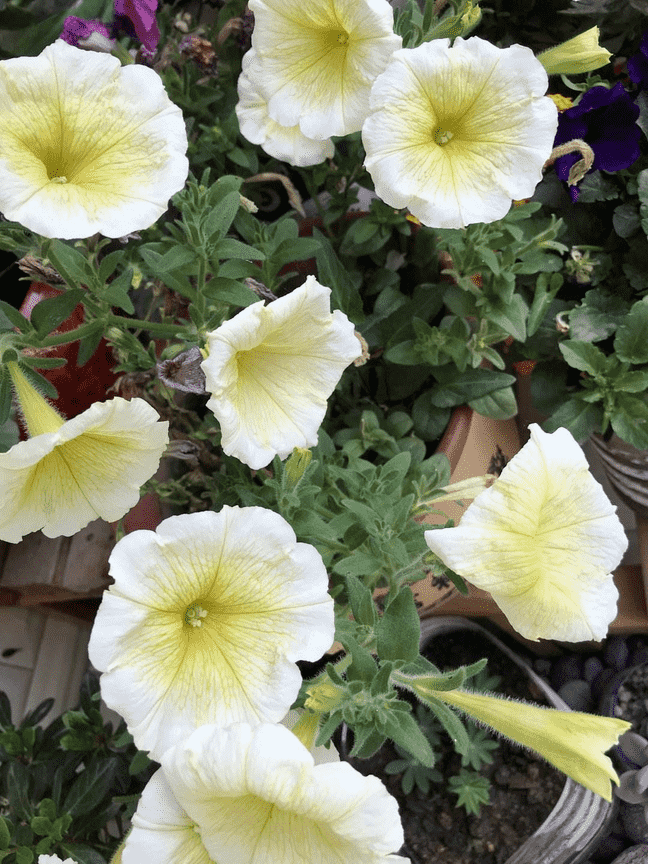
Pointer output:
x,y
638,64
604,119
137,18
77,30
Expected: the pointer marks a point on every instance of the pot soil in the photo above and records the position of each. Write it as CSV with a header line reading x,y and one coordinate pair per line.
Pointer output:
x,y
524,787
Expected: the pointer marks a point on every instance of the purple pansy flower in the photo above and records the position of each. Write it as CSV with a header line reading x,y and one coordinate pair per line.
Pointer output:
x,y
604,119
638,64
137,18
77,30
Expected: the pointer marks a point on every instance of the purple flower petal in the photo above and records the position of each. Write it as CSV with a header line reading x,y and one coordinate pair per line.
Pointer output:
x,y
137,17
76,30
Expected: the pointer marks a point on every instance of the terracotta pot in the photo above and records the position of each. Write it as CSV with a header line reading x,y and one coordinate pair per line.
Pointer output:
x,y
580,818
77,389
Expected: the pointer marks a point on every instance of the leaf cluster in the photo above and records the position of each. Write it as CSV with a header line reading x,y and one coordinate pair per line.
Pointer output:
x,y
61,786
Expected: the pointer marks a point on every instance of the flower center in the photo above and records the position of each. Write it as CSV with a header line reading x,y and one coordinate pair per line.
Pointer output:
x,y
442,136
58,179
343,38
194,614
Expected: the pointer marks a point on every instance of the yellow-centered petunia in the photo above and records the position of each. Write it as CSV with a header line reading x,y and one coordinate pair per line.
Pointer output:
x,y
270,370
455,134
256,795
319,58
543,540
87,145
204,623
282,142
70,472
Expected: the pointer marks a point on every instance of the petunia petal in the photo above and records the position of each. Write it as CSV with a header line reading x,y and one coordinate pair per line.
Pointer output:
x,y
87,145
271,369
205,621
478,130
320,59
92,466
543,540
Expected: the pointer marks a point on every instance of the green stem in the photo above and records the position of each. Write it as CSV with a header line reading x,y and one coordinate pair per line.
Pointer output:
x,y
158,328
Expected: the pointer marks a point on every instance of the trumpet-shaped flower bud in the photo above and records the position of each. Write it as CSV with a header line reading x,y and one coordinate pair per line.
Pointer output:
x,y
318,60
271,369
72,472
542,540
87,145
456,133
205,621
245,794
580,54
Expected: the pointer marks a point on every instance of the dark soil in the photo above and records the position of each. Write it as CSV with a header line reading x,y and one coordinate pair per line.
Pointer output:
x,y
524,787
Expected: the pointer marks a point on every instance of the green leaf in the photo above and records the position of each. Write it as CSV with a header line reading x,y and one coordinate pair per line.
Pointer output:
x,y
24,855
631,340
630,421
5,834
501,404
450,722
583,355
226,290
222,216
5,412
546,289
363,666
89,344
511,316
116,292
36,714
579,417
472,790
595,186
398,631
176,258
456,388
230,248
403,354
49,313
16,319
430,421
19,790
361,602
625,219
404,731
331,272
71,264
92,785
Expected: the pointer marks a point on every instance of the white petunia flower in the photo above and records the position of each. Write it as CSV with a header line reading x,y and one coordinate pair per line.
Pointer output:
x,y
87,145
282,142
54,859
72,472
205,621
455,134
542,540
319,59
256,795
271,369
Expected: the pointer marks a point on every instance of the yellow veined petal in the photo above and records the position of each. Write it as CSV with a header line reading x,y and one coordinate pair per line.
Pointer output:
x,y
479,129
282,142
271,369
319,60
256,795
543,541
162,831
167,667
92,467
87,145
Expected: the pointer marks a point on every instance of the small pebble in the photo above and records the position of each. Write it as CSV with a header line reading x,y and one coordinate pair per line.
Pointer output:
x,y
591,668
633,855
566,668
578,695
615,653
